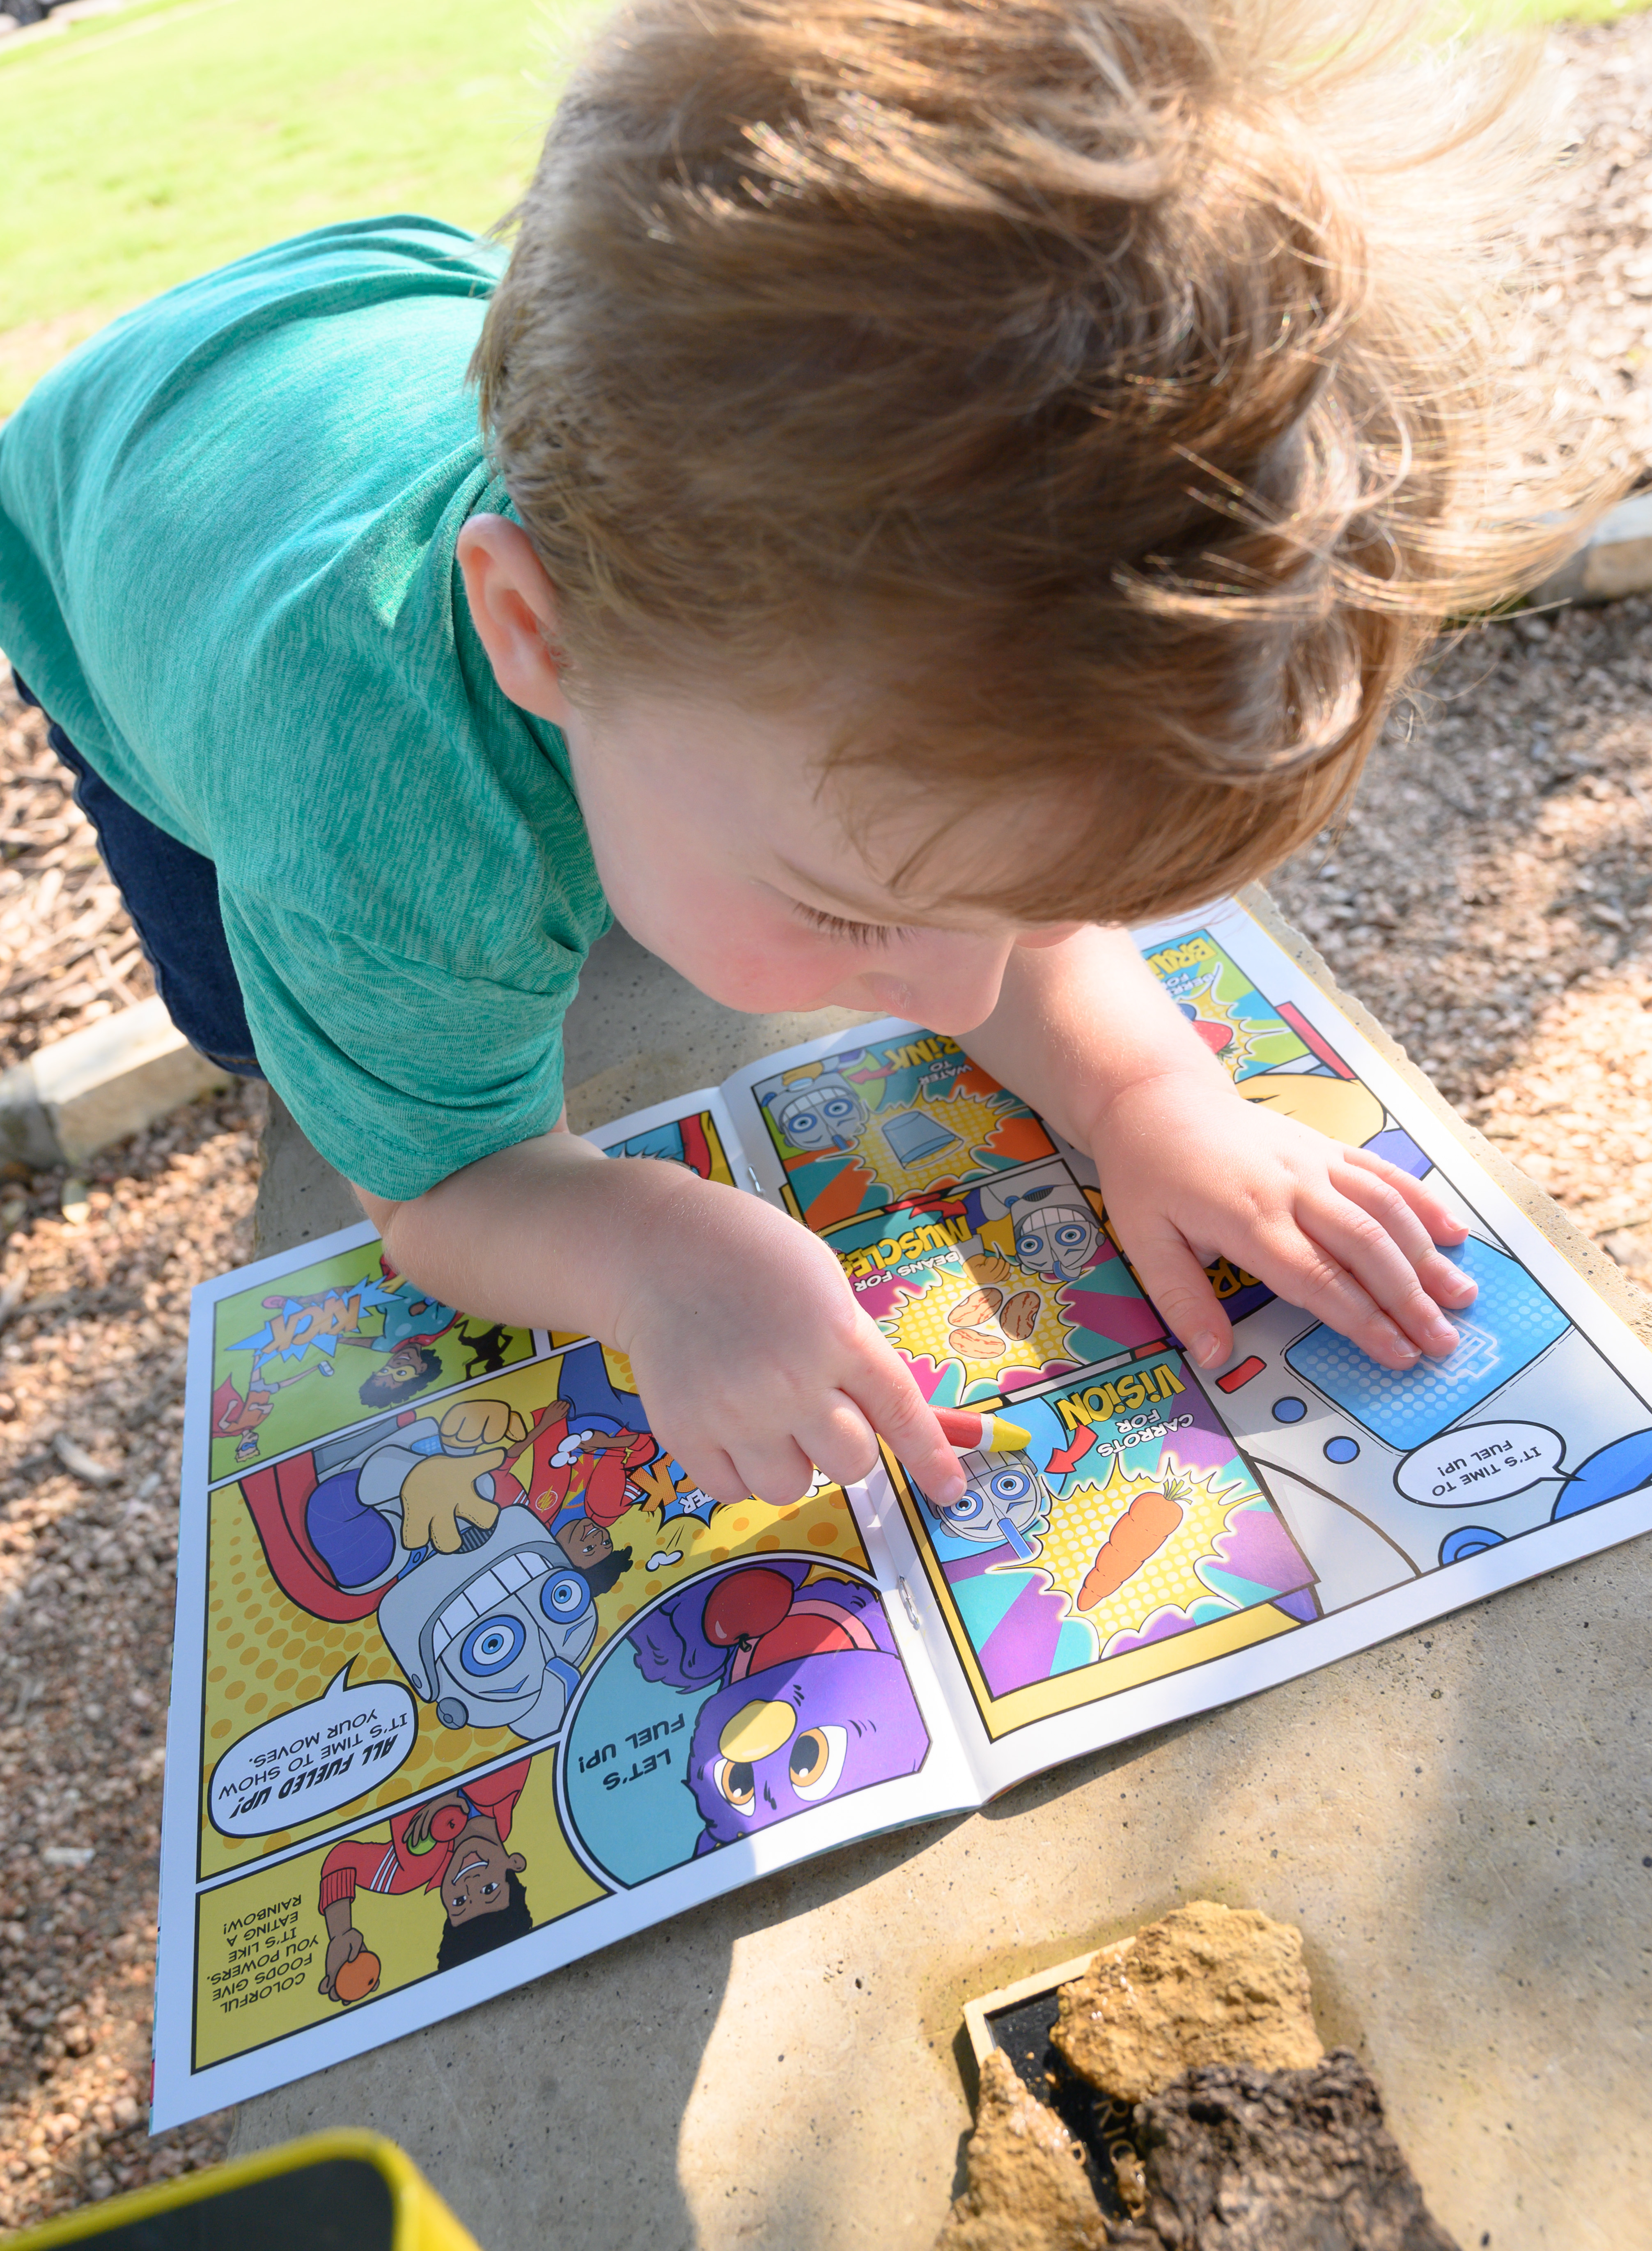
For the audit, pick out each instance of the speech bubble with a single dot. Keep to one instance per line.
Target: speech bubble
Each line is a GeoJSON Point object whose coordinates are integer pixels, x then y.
{"type": "Point", "coordinates": [1487, 1461]}
{"type": "Point", "coordinates": [314, 1759]}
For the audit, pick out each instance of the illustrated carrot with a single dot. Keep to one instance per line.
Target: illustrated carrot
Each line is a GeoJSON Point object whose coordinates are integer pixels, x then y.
{"type": "Point", "coordinates": [1139, 1534]}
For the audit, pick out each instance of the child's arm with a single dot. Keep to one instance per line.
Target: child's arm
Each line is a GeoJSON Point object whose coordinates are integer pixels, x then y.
{"type": "Point", "coordinates": [744, 1337]}
{"type": "Point", "coordinates": [1190, 1170]}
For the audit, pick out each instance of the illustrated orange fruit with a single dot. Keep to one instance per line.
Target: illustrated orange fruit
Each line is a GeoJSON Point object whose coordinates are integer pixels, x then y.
{"type": "Point", "coordinates": [354, 1981]}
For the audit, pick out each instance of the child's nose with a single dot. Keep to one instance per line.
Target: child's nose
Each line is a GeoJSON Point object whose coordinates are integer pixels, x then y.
{"type": "Point", "coordinates": [961, 989]}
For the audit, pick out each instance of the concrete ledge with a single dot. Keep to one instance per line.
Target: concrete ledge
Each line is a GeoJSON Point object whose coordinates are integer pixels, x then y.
{"type": "Point", "coordinates": [85, 1092]}
{"type": "Point", "coordinates": [1614, 560]}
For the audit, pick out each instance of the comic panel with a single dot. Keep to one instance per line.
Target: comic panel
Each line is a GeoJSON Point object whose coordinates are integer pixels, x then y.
{"type": "Point", "coordinates": [331, 1931]}
{"type": "Point", "coordinates": [1225, 1009]}
{"type": "Point", "coordinates": [392, 1608]}
{"type": "Point", "coordinates": [1128, 1539]}
{"type": "Point", "coordinates": [756, 1692]}
{"type": "Point", "coordinates": [1274, 1052]}
{"type": "Point", "coordinates": [867, 1128]}
{"type": "Point", "coordinates": [331, 1345]}
{"type": "Point", "coordinates": [693, 1142]}
{"type": "Point", "coordinates": [1008, 1284]}
{"type": "Point", "coordinates": [1385, 1475]}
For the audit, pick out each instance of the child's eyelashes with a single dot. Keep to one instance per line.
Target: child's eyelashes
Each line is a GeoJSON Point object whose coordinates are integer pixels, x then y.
{"type": "Point", "coordinates": [857, 934]}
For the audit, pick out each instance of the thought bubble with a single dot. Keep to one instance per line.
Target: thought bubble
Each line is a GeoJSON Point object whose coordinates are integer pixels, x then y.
{"type": "Point", "coordinates": [1488, 1461]}
{"type": "Point", "coordinates": [314, 1759]}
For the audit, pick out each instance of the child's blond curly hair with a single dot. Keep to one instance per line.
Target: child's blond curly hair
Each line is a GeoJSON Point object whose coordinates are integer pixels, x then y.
{"type": "Point", "coordinates": [1117, 391]}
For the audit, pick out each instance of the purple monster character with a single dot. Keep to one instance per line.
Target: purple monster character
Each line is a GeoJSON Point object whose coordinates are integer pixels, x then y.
{"type": "Point", "coordinates": [813, 1702]}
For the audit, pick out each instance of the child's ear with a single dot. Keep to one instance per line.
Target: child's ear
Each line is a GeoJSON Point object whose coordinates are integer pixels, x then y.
{"type": "Point", "coordinates": [513, 605]}
{"type": "Point", "coordinates": [516, 1864]}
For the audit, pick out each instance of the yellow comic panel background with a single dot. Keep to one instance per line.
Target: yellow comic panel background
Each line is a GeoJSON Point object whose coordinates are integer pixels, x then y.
{"type": "Point", "coordinates": [282, 1375]}
{"type": "Point", "coordinates": [266, 1656]}
{"type": "Point", "coordinates": [261, 1944]}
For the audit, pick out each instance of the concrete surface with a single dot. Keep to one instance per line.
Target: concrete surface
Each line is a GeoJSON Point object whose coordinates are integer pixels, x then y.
{"type": "Point", "coordinates": [1460, 1822]}
{"type": "Point", "coordinates": [85, 1092]}
{"type": "Point", "coordinates": [1614, 560]}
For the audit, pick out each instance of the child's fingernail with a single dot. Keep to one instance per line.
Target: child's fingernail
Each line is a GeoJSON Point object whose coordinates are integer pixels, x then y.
{"type": "Point", "coordinates": [946, 1490]}
{"type": "Point", "coordinates": [1208, 1351]}
{"type": "Point", "coordinates": [1442, 1337]}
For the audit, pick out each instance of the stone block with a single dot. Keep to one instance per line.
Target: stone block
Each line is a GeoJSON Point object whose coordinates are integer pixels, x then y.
{"type": "Point", "coordinates": [83, 1093]}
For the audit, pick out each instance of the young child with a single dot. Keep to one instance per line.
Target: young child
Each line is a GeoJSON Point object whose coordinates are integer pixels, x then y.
{"type": "Point", "coordinates": [954, 476]}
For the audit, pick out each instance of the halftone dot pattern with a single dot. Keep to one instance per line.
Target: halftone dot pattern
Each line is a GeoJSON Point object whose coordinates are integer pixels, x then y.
{"type": "Point", "coordinates": [971, 1117]}
{"type": "Point", "coordinates": [1082, 1521]}
{"type": "Point", "coordinates": [266, 1656]}
{"type": "Point", "coordinates": [303, 1412]}
{"type": "Point", "coordinates": [918, 1329]}
{"type": "Point", "coordinates": [1509, 1324]}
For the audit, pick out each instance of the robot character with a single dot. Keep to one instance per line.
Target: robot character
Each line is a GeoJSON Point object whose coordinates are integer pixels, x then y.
{"type": "Point", "coordinates": [1005, 1496]}
{"type": "Point", "coordinates": [494, 1635]}
{"type": "Point", "coordinates": [1056, 1240]}
{"type": "Point", "coordinates": [824, 1113]}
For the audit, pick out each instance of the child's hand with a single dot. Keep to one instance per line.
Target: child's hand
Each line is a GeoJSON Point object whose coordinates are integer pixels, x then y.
{"type": "Point", "coordinates": [757, 1365]}
{"type": "Point", "coordinates": [1190, 1172]}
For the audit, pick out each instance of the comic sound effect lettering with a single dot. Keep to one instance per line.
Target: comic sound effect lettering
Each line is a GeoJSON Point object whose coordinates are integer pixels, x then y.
{"type": "Point", "coordinates": [313, 1760]}
{"type": "Point", "coordinates": [1488, 1461]}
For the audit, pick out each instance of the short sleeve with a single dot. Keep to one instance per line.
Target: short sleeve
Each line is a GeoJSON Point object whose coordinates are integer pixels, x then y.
{"type": "Point", "coordinates": [398, 1071]}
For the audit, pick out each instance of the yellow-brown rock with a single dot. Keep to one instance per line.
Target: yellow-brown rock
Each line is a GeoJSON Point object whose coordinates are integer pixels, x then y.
{"type": "Point", "coordinates": [1027, 2189]}
{"type": "Point", "coordinates": [1206, 1984]}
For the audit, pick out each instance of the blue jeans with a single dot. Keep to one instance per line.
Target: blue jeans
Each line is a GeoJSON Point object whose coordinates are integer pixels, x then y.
{"type": "Point", "coordinates": [172, 896]}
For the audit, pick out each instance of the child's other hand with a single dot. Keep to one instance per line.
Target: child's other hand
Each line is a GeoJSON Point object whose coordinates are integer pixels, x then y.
{"type": "Point", "coordinates": [1190, 1171]}
{"type": "Point", "coordinates": [757, 1365]}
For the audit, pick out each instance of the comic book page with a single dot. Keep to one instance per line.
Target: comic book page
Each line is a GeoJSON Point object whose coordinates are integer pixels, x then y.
{"type": "Point", "coordinates": [470, 1679]}
{"type": "Point", "coordinates": [696, 1130]}
{"type": "Point", "coordinates": [1164, 1540]}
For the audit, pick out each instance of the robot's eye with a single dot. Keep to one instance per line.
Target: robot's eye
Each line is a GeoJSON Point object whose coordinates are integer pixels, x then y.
{"type": "Point", "coordinates": [1009, 1485]}
{"type": "Point", "coordinates": [802, 1121]}
{"type": "Point", "coordinates": [815, 1762]}
{"type": "Point", "coordinates": [1070, 1236]}
{"type": "Point", "coordinates": [736, 1783]}
{"type": "Point", "coordinates": [489, 1647]}
{"type": "Point", "coordinates": [565, 1596]}
{"type": "Point", "coordinates": [839, 1106]}
{"type": "Point", "coordinates": [1031, 1246]}
{"type": "Point", "coordinates": [969, 1507]}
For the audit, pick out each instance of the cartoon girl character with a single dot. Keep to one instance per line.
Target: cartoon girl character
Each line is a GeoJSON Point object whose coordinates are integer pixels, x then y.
{"type": "Point", "coordinates": [454, 1843]}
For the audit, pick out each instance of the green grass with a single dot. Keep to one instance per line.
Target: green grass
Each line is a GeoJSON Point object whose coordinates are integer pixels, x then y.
{"type": "Point", "coordinates": [148, 146]}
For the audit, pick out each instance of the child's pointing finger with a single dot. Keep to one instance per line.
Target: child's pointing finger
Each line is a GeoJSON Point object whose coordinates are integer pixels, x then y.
{"type": "Point", "coordinates": [899, 1413]}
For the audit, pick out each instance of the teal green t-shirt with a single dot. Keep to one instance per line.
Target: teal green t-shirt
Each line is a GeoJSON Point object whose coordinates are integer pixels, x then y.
{"type": "Point", "coordinates": [227, 527]}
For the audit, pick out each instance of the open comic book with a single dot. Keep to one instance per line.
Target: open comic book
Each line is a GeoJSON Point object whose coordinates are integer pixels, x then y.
{"type": "Point", "coordinates": [471, 1680]}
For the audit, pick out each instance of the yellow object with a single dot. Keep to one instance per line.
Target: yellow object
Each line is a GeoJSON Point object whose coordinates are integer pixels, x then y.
{"type": "Point", "coordinates": [347, 2185]}
{"type": "Point", "coordinates": [756, 1729]}
{"type": "Point", "coordinates": [1002, 1436]}
{"type": "Point", "coordinates": [1340, 1108]}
